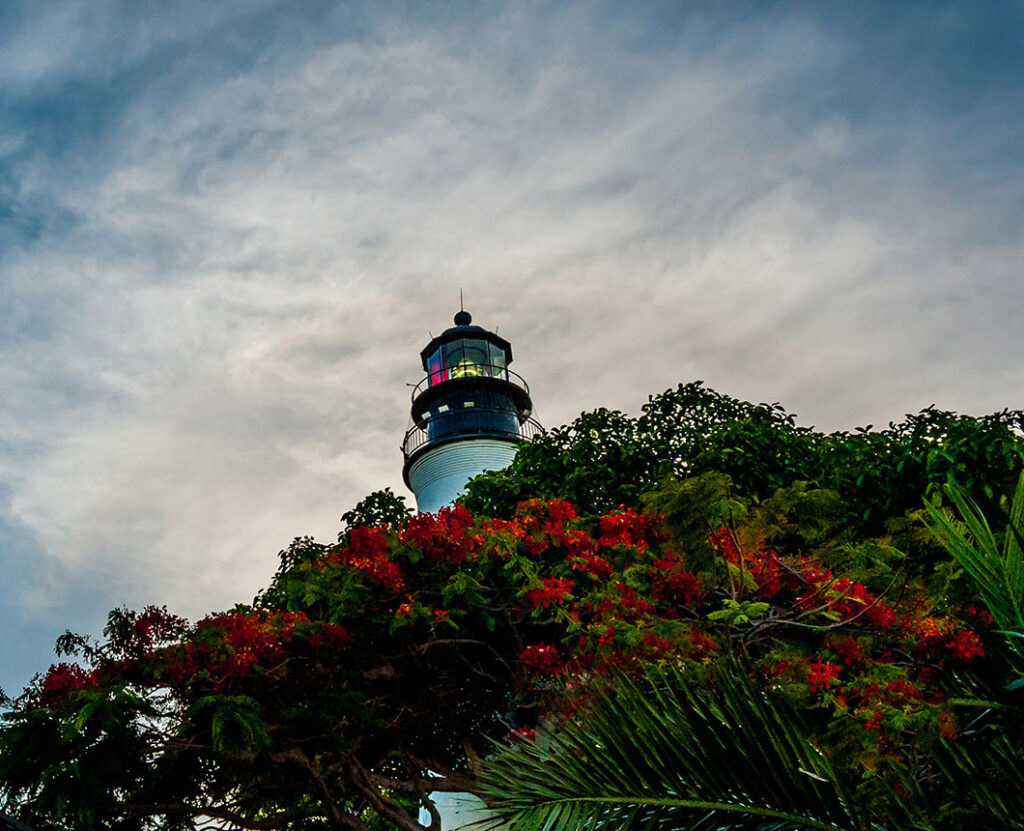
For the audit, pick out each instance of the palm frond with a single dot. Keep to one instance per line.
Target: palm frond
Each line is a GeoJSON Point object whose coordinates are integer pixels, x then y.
{"type": "Point", "coordinates": [998, 573]}
{"type": "Point", "coordinates": [663, 753]}
{"type": "Point", "coordinates": [984, 783]}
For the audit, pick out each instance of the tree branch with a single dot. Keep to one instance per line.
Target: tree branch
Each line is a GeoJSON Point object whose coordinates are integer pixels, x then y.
{"type": "Point", "coordinates": [280, 820]}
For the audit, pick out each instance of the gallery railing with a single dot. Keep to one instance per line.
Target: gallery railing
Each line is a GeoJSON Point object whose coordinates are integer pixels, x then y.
{"type": "Point", "coordinates": [469, 422]}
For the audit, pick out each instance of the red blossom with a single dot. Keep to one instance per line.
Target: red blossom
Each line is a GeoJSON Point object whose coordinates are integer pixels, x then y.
{"type": "Point", "coordinates": [541, 659]}
{"type": "Point", "coordinates": [628, 528]}
{"type": "Point", "coordinates": [330, 637]}
{"type": "Point", "coordinates": [670, 580]}
{"type": "Point", "coordinates": [656, 646]}
{"type": "Point", "coordinates": [763, 564]}
{"type": "Point", "coordinates": [966, 645]}
{"type": "Point", "coordinates": [983, 616]}
{"type": "Point", "coordinates": [702, 644]}
{"type": "Point", "coordinates": [553, 593]}
{"type": "Point", "coordinates": [63, 679]}
{"type": "Point", "coordinates": [233, 645]}
{"type": "Point", "coordinates": [941, 638]}
{"type": "Point", "coordinates": [523, 734]}
{"type": "Point", "coordinates": [821, 675]}
{"type": "Point", "coordinates": [850, 651]}
{"type": "Point", "coordinates": [443, 537]}
{"type": "Point", "coordinates": [368, 552]}
{"type": "Point", "coordinates": [152, 626]}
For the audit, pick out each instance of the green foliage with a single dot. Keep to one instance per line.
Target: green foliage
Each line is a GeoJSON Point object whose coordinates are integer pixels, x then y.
{"type": "Point", "coordinates": [716, 752]}
{"type": "Point", "coordinates": [740, 611]}
{"type": "Point", "coordinates": [997, 570]}
{"type": "Point", "coordinates": [859, 662]}
{"type": "Point", "coordinates": [378, 508]}
{"type": "Point", "coordinates": [661, 753]}
{"type": "Point", "coordinates": [605, 458]}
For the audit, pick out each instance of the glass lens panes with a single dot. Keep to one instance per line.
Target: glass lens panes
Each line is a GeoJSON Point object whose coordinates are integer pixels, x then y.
{"type": "Point", "coordinates": [497, 361]}
{"type": "Point", "coordinates": [437, 368]}
{"type": "Point", "coordinates": [466, 358]}
{"type": "Point", "coordinates": [453, 354]}
{"type": "Point", "coordinates": [472, 359]}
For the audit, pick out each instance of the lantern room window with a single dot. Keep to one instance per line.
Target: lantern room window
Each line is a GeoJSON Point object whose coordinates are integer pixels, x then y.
{"type": "Point", "coordinates": [467, 358]}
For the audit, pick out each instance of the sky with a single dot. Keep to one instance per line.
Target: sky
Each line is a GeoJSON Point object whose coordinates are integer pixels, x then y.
{"type": "Point", "coordinates": [227, 229]}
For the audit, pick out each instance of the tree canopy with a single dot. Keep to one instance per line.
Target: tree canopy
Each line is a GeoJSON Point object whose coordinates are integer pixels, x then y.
{"type": "Point", "coordinates": [605, 458]}
{"type": "Point", "coordinates": [614, 555]}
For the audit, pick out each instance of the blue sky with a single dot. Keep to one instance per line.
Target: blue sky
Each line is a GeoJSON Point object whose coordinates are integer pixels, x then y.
{"type": "Point", "coordinates": [226, 229]}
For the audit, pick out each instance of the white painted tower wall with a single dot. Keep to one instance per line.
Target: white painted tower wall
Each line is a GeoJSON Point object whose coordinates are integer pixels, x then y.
{"type": "Point", "coordinates": [439, 476]}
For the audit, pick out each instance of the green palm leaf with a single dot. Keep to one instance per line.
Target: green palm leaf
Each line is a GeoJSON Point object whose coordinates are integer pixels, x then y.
{"type": "Point", "coordinates": [664, 753]}
{"type": "Point", "coordinates": [997, 572]}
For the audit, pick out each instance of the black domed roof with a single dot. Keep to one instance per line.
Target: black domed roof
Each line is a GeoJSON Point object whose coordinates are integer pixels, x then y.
{"type": "Point", "coordinates": [464, 328]}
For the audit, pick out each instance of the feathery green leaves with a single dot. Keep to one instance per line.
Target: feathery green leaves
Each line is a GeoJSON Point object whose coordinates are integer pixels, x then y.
{"type": "Point", "coordinates": [664, 753]}
{"type": "Point", "coordinates": [998, 571]}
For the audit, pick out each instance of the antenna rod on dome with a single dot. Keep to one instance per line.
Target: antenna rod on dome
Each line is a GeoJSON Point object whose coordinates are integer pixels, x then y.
{"type": "Point", "coordinates": [462, 308]}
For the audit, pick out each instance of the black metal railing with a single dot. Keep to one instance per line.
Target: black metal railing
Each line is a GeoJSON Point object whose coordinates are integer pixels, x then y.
{"type": "Point", "coordinates": [474, 421]}
{"type": "Point", "coordinates": [476, 371]}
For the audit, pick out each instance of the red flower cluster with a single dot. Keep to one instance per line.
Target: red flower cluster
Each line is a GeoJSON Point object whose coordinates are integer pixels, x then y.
{"type": "Point", "coordinates": [983, 616]}
{"type": "Point", "coordinates": [553, 593]}
{"type": "Point", "coordinates": [848, 599]}
{"type": "Point", "coordinates": [821, 674]}
{"type": "Point", "coordinates": [583, 554]}
{"type": "Point", "coordinates": [540, 525]}
{"type": "Point", "coordinates": [896, 694]}
{"type": "Point", "coordinates": [701, 644]}
{"type": "Point", "coordinates": [850, 651]}
{"type": "Point", "coordinates": [369, 553]}
{"type": "Point", "coordinates": [331, 637]}
{"type": "Point", "coordinates": [63, 679]}
{"type": "Point", "coordinates": [671, 581]}
{"type": "Point", "coordinates": [540, 512]}
{"type": "Point", "coordinates": [541, 659]}
{"type": "Point", "coordinates": [943, 638]}
{"type": "Point", "coordinates": [149, 628]}
{"type": "Point", "coordinates": [625, 605]}
{"type": "Point", "coordinates": [443, 537]}
{"type": "Point", "coordinates": [765, 566]}
{"type": "Point", "coordinates": [656, 646]}
{"type": "Point", "coordinates": [233, 645]}
{"type": "Point", "coordinates": [852, 601]}
{"type": "Point", "coordinates": [628, 528]}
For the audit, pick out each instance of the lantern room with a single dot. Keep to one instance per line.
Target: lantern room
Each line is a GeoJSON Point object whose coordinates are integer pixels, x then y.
{"type": "Point", "coordinates": [466, 351]}
{"type": "Point", "coordinates": [468, 404]}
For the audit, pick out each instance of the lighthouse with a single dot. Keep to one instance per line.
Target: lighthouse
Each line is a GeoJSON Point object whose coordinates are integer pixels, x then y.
{"type": "Point", "coordinates": [469, 412]}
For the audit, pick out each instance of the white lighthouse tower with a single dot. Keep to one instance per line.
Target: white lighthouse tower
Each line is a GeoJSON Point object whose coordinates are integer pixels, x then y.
{"type": "Point", "coordinates": [468, 413]}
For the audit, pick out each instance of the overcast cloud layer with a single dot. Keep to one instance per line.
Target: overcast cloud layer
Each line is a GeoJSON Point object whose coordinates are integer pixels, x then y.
{"type": "Point", "coordinates": [225, 230]}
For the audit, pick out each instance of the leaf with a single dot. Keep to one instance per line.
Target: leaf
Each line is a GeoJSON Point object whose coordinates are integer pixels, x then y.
{"type": "Point", "coordinates": [998, 574]}
{"type": "Point", "coordinates": [663, 753]}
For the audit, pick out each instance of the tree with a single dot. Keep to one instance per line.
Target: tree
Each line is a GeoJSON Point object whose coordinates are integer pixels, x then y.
{"type": "Point", "coordinates": [408, 650]}
{"type": "Point", "coordinates": [605, 459]}
{"type": "Point", "coordinates": [665, 752]}
{"type": "Point", "coordinates": [382, 668]}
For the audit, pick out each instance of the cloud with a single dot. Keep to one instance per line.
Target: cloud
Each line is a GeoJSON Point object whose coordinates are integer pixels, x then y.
{"type": "Point", "coordinates": [231, 229]}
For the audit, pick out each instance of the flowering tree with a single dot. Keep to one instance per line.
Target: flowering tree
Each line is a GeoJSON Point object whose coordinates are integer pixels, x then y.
{"type": "Point", "coordinates": [671, 749]}
{"type": "Point", "coordinates": [605, 458]}
{"type": "Point", "coordinates": [374, 672]}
